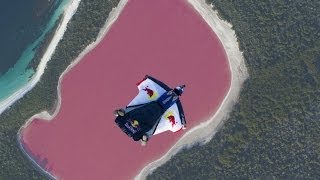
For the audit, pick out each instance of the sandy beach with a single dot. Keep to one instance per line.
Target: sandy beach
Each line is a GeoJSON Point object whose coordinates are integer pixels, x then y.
{"type": "Point", "coordinates": [205, 131]}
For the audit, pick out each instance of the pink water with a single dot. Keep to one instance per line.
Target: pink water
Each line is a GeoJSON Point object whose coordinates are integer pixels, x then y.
{"type": "Point", "coordinates": [163, 38]}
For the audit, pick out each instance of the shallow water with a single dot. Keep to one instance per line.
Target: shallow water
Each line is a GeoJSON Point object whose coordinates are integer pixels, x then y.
{"type": "Point", "coordinates": [24, 25]}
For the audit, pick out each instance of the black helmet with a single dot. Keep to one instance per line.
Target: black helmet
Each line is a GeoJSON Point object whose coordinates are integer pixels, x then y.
{"type": "Point", "coordinates": [179, 90]}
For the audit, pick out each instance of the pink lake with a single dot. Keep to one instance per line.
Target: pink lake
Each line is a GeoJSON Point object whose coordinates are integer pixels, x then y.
{"type": "Point", "coordinates": [166, 39]}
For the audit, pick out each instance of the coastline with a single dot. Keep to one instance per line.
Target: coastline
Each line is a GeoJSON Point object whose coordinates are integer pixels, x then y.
{"type": "Point", "coordinates": [204, 132]}
{"type": "Point", "coordinates": [69, 10]}
{"type": "Point", "coordinates": [43, 46]}
{"type": "Point", "coordinates": [32, 160]}
{"type": "Point", "coordinates": [45, 115]}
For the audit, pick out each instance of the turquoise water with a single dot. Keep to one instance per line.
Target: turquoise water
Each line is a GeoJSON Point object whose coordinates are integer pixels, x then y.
{"type": "Point", "coordinates": [19, 75]}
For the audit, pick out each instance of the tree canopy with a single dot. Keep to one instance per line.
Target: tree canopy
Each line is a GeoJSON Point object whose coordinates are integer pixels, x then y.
{"type": "Point", "coordinates": [274, 129]}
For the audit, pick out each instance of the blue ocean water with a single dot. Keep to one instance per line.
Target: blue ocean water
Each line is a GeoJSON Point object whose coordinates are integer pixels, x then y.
{"type": "Point", "coordinates": [20, 40]}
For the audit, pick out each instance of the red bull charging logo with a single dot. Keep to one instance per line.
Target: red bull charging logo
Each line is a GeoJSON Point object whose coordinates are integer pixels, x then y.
{"type": "Point", "coordinates": [151, 94]}
{"type": "Point", "coordinates": [171, 118]}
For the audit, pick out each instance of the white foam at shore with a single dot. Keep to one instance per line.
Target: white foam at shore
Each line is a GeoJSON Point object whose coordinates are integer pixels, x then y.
{"type": "Point", "coordinates": [70, 9]}
{"type": "Point", "coordinates": [204, 132]}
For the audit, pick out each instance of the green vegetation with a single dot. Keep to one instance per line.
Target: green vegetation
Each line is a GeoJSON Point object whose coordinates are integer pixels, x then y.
{"type": "Point", "coordinates": [82, 30]}
{"type": "Point", "coordinates": [274, 129]}
{"type": "Point", "coordinates": [43, 45]}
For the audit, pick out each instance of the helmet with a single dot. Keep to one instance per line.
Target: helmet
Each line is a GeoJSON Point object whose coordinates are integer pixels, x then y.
{"type": "Point", "coordinates": [179, 90]}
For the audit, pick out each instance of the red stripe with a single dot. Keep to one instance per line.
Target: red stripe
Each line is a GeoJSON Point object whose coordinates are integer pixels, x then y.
{"type": "Point", "coordinates": [138, 83]}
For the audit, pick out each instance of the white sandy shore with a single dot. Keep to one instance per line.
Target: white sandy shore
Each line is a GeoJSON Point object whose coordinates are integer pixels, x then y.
{"type": "Point", "coordinates": [45, 115]}
{"type": "Point", "coordinates": [204, 132]}
{"type": "Point", "coordinates": [70, 9]}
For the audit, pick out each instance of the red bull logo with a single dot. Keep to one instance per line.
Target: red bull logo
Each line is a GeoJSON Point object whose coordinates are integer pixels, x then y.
{"type": "Point", "coordinates": [151, 94]}
{"type": "Point", "coordinates": [171, 118]}
{"type": "Point", "coordinates": [132, 125]}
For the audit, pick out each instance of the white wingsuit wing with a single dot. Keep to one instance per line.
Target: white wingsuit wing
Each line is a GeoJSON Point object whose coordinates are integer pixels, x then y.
{"type": "Point", "coordinates": [150, 89]}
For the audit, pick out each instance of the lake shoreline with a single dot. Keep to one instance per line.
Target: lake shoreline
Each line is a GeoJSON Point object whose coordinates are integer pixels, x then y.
{"type": "Point", "coordinates": [204, 132]}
